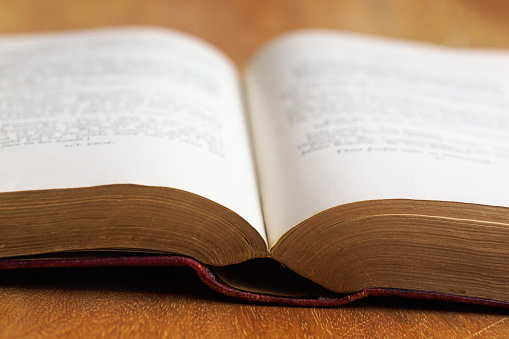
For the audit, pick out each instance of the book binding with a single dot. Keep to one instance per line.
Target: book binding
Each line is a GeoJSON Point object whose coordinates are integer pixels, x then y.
{"type": "Point", "coordinates": [216, 284]}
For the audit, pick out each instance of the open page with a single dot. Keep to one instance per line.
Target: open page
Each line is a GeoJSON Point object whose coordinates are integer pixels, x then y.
{"type": "Point", "coordinates": [341, 118]}
{"type": "Point", "coordinates": [139, 106]}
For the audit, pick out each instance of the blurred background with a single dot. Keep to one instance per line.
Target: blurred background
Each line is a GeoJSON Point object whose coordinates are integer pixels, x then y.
{"type": "Point", "coordinates": [240, 27]}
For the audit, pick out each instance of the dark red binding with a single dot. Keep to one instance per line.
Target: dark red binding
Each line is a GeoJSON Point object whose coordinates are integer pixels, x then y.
{"type": "Point", "coordinates": [217, 285]}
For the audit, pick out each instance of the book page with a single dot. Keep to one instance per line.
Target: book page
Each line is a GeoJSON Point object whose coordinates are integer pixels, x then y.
{"type": "Point", "coordinates": [135, 105]}
{"type": "Point", "coordinates": [342, 118]}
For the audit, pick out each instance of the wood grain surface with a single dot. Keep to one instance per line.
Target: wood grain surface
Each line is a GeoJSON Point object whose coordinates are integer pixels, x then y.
{"type": "Point", "coordinates": [155, 302]}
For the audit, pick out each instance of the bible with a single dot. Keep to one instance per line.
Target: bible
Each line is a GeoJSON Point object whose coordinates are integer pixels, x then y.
{"type": "Point", "coordinates": [366, 166]}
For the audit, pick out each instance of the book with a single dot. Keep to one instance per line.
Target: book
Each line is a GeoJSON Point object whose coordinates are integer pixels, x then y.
{"type": "Point", "coordinates": [366, 166]}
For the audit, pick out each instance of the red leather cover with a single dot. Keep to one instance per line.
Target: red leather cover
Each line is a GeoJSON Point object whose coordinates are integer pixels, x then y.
{"type": "Point", "coordinates": [211, 280]}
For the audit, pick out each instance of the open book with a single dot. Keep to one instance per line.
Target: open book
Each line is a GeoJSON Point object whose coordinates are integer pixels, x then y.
{"type": "Point", "coordinates": [358, 163]}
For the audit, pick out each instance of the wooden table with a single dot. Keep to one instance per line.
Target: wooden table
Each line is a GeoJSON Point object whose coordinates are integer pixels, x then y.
{"type": "Point", "coordinates": [156, 302]}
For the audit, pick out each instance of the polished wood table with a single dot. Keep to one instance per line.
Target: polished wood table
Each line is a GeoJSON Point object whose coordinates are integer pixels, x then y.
{"type": "Point", "coordinates": [158, 302]}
